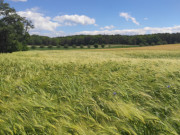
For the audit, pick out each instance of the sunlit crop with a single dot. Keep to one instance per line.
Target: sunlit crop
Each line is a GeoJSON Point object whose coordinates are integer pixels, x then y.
{"type": "Point", "coordinates": [86, 92]}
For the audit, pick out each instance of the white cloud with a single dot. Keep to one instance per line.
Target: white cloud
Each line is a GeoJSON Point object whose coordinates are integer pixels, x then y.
{"type": "Point", "coordinates": [71, 20]}
{"type": "Point", "coordinates": [127, 17]}
{"type": "Point", "coordinates": [47, 26]}
{"type": "Point", "coordinates": [19, 0]}
{"type": "Point", "coordinates": [146, 18]}
{"type": "Point", "coordinates": [112, 32]}
{"type": "Point", "coordinates": [174, 29]}
{"type": "Point", "coordinates": [146, 30]}
{"type": "Point", "coordinates": [49, 34]}
{"type": "Point", "coordinates": [107, 27]}
{"type": "Point", "coordinates": [40, 21]}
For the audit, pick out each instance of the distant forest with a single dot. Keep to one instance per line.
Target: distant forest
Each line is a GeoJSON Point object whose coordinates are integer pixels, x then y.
{"type": "Point", "coordinates": [78, 40]}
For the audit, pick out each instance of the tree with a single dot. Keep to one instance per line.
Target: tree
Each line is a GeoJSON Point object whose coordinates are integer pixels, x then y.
{"type": "Point", "coordinates": [38, 41]}
{"type": "Point", "coordinates": [13, 29]}
{"type": "Point", "coordinates": [54, 42]}
{"type": "Point", "coordinates": [106, 40]}
{"type": "Point", "coordinates": [46, 41]}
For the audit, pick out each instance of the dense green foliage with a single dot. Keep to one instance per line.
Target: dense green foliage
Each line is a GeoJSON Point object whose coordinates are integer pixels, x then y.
{"type": "Point", "coordinates": [122, 92]}
{"type": "Point", "coordinates": [141, 40]}
{"type": "Point", "coordinates": [13, 29]}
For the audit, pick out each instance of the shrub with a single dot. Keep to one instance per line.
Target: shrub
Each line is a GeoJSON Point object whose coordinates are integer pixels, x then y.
{"type": "Point", "coordinates": [25, 48]}
{"type": "Point", "coordinates": [146, 44]}
{"type": "Point", "coordinates": [50, 46]}
{"type": "Point", "coordinates": [58, 46]}
{"type": "Point", "coordinates": [141, 44]}
{"type": "Point", "coordinates": [96, 46]}
{"type": "Point", "coordinates": [102, 45]}
{"type": "Point", "coordinates": [66, 46]}
{"type": "Point", "coordinates": [152, 43]}
{"type": "Point", "coordinates": [81, 46]}
{"type": "Point", "coordinates": [17, 46]}
{"type": "Point", "coordinates": [33, 47]}
{"type": "Point", "coordinates": [159, 43]}
{"type": "Point", "coordinates": [164, 43]}
{"type": "Point", "coordinates": [74, 46]}
{"type": "Point", "coordinates": [89, 46]}
{"type": "Point", "coordinates": [42, 46]}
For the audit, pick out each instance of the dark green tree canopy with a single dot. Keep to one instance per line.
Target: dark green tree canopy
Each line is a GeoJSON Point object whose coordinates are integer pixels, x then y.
{"type": "Point", "coordinates": [86, 40]}
{"type": "Point", "coordinates": [13, 29]}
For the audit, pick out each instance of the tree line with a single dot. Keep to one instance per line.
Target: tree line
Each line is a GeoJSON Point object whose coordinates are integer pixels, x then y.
{"type": "Point", "coordinates": [78, 40]}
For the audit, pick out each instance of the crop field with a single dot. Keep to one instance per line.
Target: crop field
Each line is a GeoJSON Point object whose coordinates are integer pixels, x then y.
{"type": "Point", "coordinates": [129, 91]}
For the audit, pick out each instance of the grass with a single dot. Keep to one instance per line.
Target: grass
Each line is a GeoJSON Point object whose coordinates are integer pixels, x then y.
{"type": "Point", "coordinates": [86, 92]}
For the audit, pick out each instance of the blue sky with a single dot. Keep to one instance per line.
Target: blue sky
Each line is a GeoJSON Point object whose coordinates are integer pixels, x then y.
{"type": "Point", "coordinates": [129, 17]}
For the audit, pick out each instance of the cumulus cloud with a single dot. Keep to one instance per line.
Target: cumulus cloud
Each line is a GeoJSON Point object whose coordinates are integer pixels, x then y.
{"type": "Point", "coordinates": [47, 26]}
{"type": "Point", "coordinates": [145, 30]}
{"type": "Point", "coordinates": [40, 21]}
{"type": "Point", "coordinates": [72, 20]}
{"type": "Point", "coordinates": [129, 17]}
{"type": "Point", "coordinates": [19, 0]}
{"type": "Point", "coordinates": [107, 27]}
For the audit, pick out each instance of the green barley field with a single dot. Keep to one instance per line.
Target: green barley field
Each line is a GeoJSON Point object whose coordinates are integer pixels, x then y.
{"type": "Point", "coordinates": [133, 91]}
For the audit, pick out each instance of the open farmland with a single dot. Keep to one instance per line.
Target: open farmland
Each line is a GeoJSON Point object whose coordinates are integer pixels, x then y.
{"type": "Point", "coordinates": [133, 91]}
